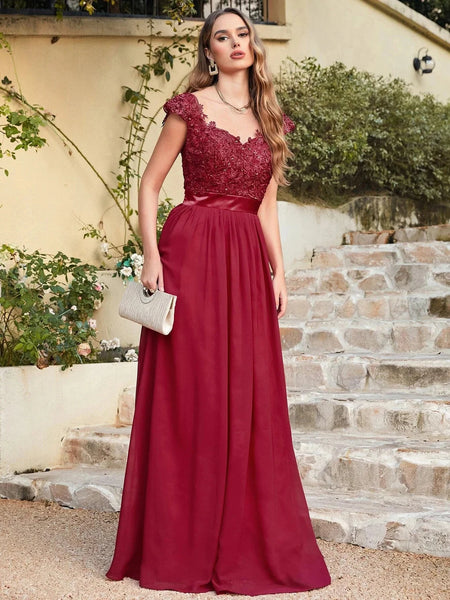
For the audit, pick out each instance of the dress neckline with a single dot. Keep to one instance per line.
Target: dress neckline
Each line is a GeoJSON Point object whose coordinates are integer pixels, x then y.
{"type": "Point", "coordinates": [213, 124]}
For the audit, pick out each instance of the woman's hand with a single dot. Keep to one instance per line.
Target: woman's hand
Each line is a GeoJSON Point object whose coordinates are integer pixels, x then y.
{"type": "Point", "coordinates": [152, 273]}
{"type": "Point", "coordinates": [280, 290]}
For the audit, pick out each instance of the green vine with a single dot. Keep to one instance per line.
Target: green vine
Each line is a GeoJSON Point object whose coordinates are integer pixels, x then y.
{"type": "Point", "coordinates": [23, 126]}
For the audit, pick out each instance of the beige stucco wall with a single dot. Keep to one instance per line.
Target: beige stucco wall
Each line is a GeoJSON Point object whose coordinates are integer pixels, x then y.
{"type": "Point", "coordinates": [38, 407]}
{"type": "Point", "coordinates": [50, 194]}
{"type": "Point", "coordinates": [381, 36]}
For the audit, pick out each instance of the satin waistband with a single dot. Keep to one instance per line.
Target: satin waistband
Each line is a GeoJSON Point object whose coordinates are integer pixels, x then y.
{"type": "Point", "coordinates": [228, 202]}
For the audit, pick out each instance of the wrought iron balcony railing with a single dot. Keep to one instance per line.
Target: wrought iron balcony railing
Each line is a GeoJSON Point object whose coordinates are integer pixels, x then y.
{"type": "Point", "coordinates": [256, 9]}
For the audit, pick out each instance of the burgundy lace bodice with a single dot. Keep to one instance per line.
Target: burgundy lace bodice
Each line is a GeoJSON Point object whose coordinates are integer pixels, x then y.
{"type": "Point", "coordinates": [216, 161]}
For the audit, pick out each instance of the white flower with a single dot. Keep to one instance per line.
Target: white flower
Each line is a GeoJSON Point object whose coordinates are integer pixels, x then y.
{"type": "Point", "coordinates": [138, 271]}
{"type": "Point", "coordinates": [51, 311]}
{"type": "Point", "coordinates": [97, 303]}
{"type": "Point", "coordinates": [74, 308]}
{"type": "Point", "coordinates": [137, 260]}
{"type": "Point", "coordinates": [104, 247]}
{"type": "Point", "coordinates": [126, 271]}
{"type": "Point", "coordinates": [92, 323]}
{"type": "Point", "coordinates": [117, 359]}
{"type": "Point", "coordinates": [110, 344]}
{"type": "Point", "coordinates": [131, 355]}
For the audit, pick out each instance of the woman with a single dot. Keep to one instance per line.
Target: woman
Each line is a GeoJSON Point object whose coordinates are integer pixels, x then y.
{"type": "Point", "coordinates": [212, 496]}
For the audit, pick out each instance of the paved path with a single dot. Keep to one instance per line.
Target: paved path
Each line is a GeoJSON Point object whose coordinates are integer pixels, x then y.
{"type": "Point", "coordinates": [52, 553]}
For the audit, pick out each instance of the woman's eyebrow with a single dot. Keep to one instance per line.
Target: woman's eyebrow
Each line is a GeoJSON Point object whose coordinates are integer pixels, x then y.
{"type": "Point", "coordinates": [226, 30]}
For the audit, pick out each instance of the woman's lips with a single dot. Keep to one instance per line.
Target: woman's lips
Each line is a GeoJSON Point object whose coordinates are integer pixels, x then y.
{"type": "Point", "coordinates": [238, 55]}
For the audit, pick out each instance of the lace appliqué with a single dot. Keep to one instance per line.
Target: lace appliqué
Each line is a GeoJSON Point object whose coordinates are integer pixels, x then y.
{"type": "Point", "coordinates": [214, 160]}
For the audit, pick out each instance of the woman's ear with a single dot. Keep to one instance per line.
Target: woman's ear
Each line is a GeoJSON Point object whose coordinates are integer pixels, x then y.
{"type": "Point", "coordinates": [208, 53]}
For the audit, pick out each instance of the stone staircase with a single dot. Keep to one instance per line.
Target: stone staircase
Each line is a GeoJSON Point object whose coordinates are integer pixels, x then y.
{"type": "Point", "coordinates": [366, 344]}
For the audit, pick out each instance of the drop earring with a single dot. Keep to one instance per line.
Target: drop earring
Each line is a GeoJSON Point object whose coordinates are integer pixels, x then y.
{"type": "Point", "coordinates": [212, 68]}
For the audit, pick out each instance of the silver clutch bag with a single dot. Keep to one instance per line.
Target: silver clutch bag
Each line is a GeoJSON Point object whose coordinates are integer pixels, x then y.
{"type": "Point", "coordinates": [154, 310]}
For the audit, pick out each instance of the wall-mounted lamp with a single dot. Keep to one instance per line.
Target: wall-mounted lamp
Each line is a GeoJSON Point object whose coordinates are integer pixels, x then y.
{"type": "Point", "coordinates": [423, 63]}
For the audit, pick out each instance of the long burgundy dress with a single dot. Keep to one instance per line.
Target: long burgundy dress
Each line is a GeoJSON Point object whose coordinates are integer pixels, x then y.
{"type": "Point", "coordinates": [212, 496]}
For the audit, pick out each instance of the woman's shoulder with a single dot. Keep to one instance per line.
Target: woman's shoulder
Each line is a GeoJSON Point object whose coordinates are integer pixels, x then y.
{"type": "Point", "coordinates": [185, 105]}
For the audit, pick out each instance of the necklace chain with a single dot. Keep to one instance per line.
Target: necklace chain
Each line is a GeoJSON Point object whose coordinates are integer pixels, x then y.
{"type": "Point", "coordinates": [242, 109]}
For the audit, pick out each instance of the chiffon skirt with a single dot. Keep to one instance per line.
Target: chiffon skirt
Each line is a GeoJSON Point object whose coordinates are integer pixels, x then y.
{"type": "Point", "coordinates": [212, 496]}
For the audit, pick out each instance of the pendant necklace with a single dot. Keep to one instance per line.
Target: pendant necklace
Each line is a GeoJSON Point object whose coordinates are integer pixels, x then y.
{"type": "Point", "coordinates": [241, 110]}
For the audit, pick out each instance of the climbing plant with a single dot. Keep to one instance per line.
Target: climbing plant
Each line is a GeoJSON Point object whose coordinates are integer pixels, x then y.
{"type": "Point", "coordinates": [19, 128]}
{"type": "Point", "coordinates": [23, 125]}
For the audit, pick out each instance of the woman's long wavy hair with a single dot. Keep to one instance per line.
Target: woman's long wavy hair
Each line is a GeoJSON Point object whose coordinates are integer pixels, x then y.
{"type": "Point", "coordinates": [262, 93]}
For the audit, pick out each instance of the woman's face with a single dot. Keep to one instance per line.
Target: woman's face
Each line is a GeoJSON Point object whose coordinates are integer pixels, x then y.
{"type": "Point", "coordinates": [229, 44]}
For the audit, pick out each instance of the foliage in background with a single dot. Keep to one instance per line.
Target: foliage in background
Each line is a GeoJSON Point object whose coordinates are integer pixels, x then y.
{"type": "Point", "coordinates": [356, 132]}
{"type": "Point", "coordinates": [46, 308]}
{"type": "Point", "coordinates": [435, 10]}
{"type": "Point", "coordinates": [21, 128]}
{"type": "Point", "coordinates": [157, 69]}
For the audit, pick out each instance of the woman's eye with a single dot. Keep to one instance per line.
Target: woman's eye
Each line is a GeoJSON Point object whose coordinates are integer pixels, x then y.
{"type": "Point", "coordinates": [245, 34]}
{"type": "Point", "coordinates": [223, 37]}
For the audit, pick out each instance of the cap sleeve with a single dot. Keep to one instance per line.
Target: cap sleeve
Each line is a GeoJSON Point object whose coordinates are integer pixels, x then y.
{"type": "Point", "coordinates": [179, 105]}
{"type": "Point", "coordinates": [288, 124]}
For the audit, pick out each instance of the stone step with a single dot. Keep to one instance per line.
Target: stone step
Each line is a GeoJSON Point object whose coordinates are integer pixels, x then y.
{"type": "Point", "coordinates": [385, 255]}
{"type": "Point", "coordinates": [389, 305]}
{"type": "Point", "coordinates": [336, 460]}
{"type": "Point", "coordinates": [355, 335]}
{"type": "Point", "coordinates": [105, 446]}
{"type": "Point", "coordinates": [372, 520]}
{"type": "Point", "coordinates": [382, 521]}
{"type": "Point", "coordinates": [397, 464]}
{"type": "Point", "coordinates": [89, 487]}
{"type": "Point", "coordinates": [368, 372]}
{"type": "Point", "coordinates": [410, 414]}
{"type": "Point", "coordinates": [418, 278]}
{"type": "Point", "coordinates": [427, 233]}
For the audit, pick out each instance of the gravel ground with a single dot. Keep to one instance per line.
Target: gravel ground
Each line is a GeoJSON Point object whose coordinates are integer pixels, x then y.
{"type": "Point", "coordinates": [52, 553]}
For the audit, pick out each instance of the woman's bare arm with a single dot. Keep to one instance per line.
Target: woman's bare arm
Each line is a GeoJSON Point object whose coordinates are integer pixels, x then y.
{"type": "Point", "coordinates": [268, 216]}
{"type": "Point", "coordinates": [166, 150]}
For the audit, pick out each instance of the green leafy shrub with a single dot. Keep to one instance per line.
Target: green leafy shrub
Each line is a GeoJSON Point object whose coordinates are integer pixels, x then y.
{"type": "Point", "coordinates": [46, 308]}
{"type": "Point", "coordinates": [358, 133]}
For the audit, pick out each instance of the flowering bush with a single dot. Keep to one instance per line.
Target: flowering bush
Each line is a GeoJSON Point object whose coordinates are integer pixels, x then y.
{"type": "Point", "coordinates": [130, 266]}
{"type": "Point", "coordinates": [46, 308]}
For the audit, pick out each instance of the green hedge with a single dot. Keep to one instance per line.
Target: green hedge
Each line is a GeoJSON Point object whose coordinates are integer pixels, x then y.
{"type": "Point", "coordinates": [359, 133]}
